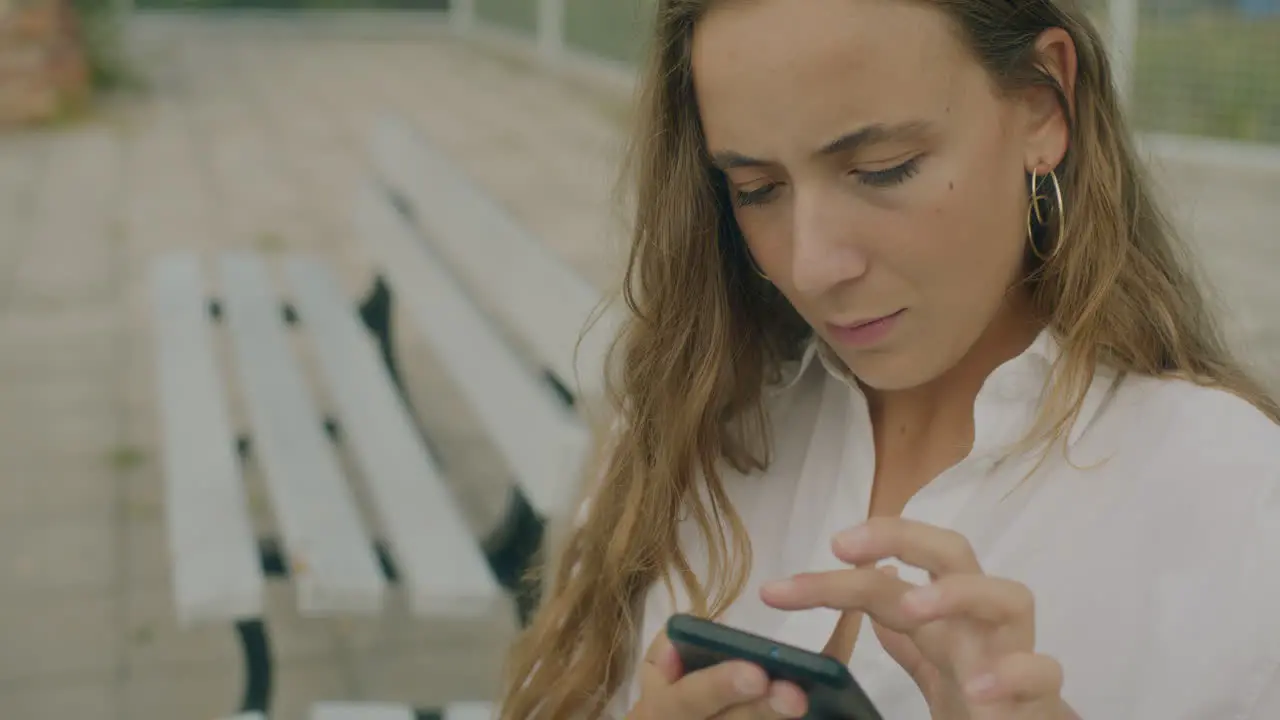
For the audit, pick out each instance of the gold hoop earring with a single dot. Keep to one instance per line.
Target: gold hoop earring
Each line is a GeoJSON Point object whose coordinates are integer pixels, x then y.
{"type": "Point", "coordinates": [1035, 210]}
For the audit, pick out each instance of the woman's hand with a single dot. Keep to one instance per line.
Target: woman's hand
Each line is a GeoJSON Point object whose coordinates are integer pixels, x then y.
{"type": "Point", "coordinates": [728, 691]}
{"type": "Point", "coordinates": [967, 639]}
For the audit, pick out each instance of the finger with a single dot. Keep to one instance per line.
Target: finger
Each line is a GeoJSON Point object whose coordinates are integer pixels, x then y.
{"type": "Point", "coordinates": [904, 651]}
{"type": "Point", "coordinates": [661, 667]}
{"type": "Point", "coordinates": [787, 700]}
{"type": "Point", "coordinates": [669, 665]}
{"type": "Point", "coordinates": [653, 680]}
{"type": "Point", "coordinates": [980, 597]}
{"type": "Point", "coordinates": [784, 701]}
{"type": "Point", "coordinates": [711, 691]}
{"type": "Point", "coordinates": [1020, 677]}
{"type": "Point", "coordinates": [869, 590]}
{"type": "Point", "coordinates": [937, 550]}
{"type": "Point", "coordinates": [664, 657]}
{"type": "Point", "coordinates": [661, 643]}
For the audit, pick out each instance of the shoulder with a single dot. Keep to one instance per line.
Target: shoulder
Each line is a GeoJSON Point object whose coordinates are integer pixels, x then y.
{"type": "Point", "coordinates": [1198, 470]}
{"type": "Point", "coordinates": [1177, 421]}
{"type": "Point", "coordinates": [1194, 474]}
{"type": "Point", "coordinates": [1203, 455]}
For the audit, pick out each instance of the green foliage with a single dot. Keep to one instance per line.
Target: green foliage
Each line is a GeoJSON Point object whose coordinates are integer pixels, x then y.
{"type": "Point", "coordinates": [521, 15]}
{"type": "Point", "coordinates": [1210, 74]}
{"type": "Point", "coordinates": [617, 30]}
{"type": "Point", "coordinates": [104, 46]}
{"type": "Point", "coordinates": [294, 4]}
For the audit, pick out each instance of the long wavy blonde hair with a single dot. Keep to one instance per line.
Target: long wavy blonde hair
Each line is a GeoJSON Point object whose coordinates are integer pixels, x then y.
{"type": "Point", "coordinates": [705, 336]}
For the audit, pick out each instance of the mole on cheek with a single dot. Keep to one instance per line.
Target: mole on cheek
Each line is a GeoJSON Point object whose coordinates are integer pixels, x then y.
{"type": "Point", "coordinates": [951, 185]}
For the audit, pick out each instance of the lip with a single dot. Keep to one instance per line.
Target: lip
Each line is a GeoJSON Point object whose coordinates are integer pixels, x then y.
{"type": "Point", "coordinates": [867, 332]}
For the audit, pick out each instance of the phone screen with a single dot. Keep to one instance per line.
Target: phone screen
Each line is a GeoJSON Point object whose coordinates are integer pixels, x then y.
{"type": "Point", "coordinates": [833, 693]}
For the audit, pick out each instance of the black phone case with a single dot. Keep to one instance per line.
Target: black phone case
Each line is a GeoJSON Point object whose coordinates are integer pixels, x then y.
{"type": "Point", "coordinates": [832, 691]}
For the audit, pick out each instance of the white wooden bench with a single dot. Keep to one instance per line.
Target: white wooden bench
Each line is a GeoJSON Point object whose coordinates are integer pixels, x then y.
{"type": "Point", "coordinates": [437, 242]}
{"type": "Point", "coordinates": [440, 241]}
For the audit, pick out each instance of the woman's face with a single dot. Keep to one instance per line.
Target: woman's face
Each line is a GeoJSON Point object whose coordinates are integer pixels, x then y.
{"type": "Point", "coordinates": [877, 173]}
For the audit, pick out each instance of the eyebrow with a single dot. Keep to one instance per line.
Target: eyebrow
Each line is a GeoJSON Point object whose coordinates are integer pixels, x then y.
{"type": "Point", "coordinates": [862, 137]}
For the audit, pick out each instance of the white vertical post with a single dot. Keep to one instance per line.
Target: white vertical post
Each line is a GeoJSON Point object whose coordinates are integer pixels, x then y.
{"type": "Point", "coordinates": [462, 15]}
{"type": "Point", "coordinates": [1124, 18]}
{"type": "Point", "coordinates": [551, 29]}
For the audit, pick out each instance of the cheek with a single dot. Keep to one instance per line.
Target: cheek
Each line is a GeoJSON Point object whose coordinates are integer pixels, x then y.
{"type": "Point", "coordinates": [974, 239]}
{"type": "Point", "coordinates": [768, 237]}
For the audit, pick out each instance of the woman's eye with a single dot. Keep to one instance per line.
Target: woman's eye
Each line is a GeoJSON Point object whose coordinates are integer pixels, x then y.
{"type": "Point", "coordinates": [755, 196]}
{"type": "Point", "coordinates": [889, 176]}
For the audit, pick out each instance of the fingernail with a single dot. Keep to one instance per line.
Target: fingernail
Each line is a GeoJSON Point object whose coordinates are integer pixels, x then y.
{"type": "Point", "coordinates": [854, 539]}
{"type": "Point", "coordinates": [750, 682]}
{"type": "Point", "coordinates": [981, 686]}
{"type": "Point", "coordinates": [923, 599]}
{"type": "Point", "coordinates": [780, 587]}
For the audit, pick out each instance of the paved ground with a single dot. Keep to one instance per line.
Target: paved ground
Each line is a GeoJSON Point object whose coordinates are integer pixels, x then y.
{"type": "Point", "coordinates": [254, 140]}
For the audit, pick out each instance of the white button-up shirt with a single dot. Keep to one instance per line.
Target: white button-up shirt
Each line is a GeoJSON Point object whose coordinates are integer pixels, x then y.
{"type": "Point", "coordinates": [1154, 554]}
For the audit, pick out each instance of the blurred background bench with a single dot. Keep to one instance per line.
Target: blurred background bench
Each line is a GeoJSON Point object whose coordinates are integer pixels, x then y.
{"type": "Point", "coordinates": [341, 536]}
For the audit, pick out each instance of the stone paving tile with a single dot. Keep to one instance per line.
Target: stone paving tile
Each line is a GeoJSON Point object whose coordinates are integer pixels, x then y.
{"type": "Point", "coordinates": [42, 483]}
{"type": "Point", "coordinates": [71, 256]}
{"type": "Point", "coordinates": [61, 697]}
{"type": "Point", "coordinates": [156, 642]}
{"type": "Point", "coordinates": [58, 634]}
{"type": "Point", "coordinates": [208, 692]}
{"type": "Point", "coordinates": [417, 678]}
{"type": "Point", "coordinates": [59, 553]}
{"type": "Point", "coordinates": [22, 164]}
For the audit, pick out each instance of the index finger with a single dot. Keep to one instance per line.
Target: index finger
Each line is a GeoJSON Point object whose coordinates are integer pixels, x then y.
{"type": "Point", "coordinates": [929, 547]}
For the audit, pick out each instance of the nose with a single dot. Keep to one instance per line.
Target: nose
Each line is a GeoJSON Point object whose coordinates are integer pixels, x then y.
{"type": "Point", "coordinates": [826, 251]}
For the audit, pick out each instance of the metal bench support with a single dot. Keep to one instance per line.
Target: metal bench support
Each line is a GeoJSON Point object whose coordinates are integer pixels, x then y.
{"type": "Point", "coordinates": [513, 548]}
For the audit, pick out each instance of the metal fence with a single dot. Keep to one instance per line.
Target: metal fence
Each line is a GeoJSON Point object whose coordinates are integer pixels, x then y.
{"type": "Point", "coordinates": [1207, 68]}
{"type": "Point", "coordinates": [1196, 68]}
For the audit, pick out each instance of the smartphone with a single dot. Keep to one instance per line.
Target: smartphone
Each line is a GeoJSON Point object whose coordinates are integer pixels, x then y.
{"type": "Point", "coordinates": [833, 693]}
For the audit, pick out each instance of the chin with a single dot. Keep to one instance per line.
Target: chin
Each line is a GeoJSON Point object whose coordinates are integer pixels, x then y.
{"type": "Point", "coordinates": [891, 379]}
{"type": "Point", "coordinates": [890, 371]}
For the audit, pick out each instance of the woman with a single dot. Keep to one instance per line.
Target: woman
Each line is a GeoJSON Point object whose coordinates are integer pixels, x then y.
{"type": "Point", "coordinates": [916, 376]}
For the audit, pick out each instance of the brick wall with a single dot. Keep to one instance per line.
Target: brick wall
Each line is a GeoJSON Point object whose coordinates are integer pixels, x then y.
{"type": "Point", "coordinates": [42, 66]}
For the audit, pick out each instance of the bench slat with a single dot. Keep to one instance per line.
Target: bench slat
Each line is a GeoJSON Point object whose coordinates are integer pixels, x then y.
{"type": "Point", "coordinates": [540, 440]}
{"type": "Point", "coordinates": [330, 555]}
{"type": "Point", "coordinates": [217, 574]}
{"type": "Point", "coordinates": [538, 293]}
{"type": "Point", "coordinates": [436, 551]}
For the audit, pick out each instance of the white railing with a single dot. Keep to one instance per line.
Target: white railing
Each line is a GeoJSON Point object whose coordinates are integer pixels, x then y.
{"type": "Point", "coordinates": [1122, 21]}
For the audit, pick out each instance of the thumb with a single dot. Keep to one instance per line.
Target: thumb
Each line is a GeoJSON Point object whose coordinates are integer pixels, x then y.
{"type": "Point", "coordinates": [664, 658]}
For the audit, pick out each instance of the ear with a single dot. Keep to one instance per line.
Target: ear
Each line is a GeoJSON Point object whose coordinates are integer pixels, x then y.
{"type": "Point", "coordinates": [1048, 129]}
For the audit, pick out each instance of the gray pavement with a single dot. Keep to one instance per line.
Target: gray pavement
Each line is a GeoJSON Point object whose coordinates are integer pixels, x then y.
{"type": "Point", "coordinates": [255, 140]}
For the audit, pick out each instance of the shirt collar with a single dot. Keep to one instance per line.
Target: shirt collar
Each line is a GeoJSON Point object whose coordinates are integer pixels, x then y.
{"type": "Point", "coordinates": [1009, 400]}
